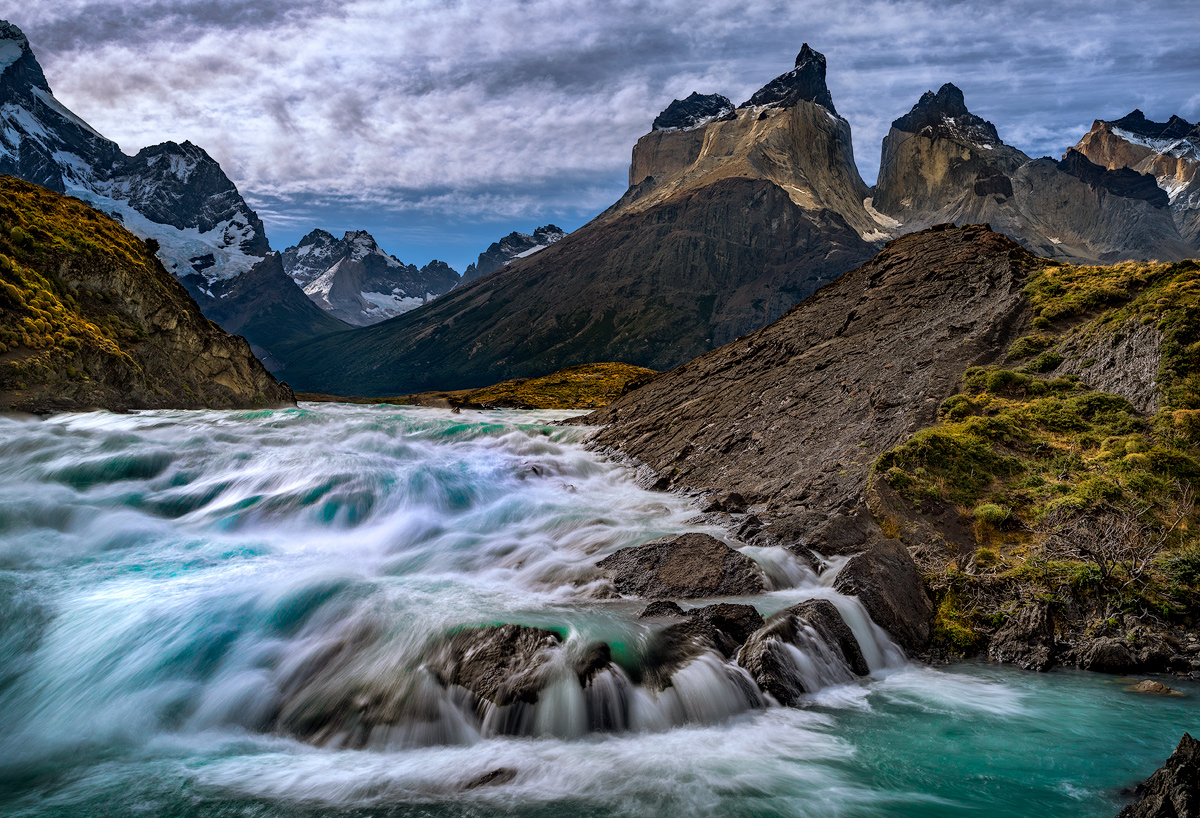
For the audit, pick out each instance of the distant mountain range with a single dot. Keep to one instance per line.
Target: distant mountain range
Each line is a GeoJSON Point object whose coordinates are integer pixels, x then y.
{"type": "Point", "coordinates": [733, 215]}
{"type": "Point", "coordinates": [353, 279]}
{"type": "Point", "coordinates": [736, 213]}
{"type": "Point", "coordinates": [511, 247]}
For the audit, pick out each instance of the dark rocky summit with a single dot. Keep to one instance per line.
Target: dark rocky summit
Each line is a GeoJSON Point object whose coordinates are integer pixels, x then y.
{"type": "Point", "coordinates": [686, 567]}
{"type": "Point", "coordinates": [1174, 790]}
{"type": "Point", "coordinates": [90, 319]}
{"type": "Point", "coordinates": [692, 112]}
{"type": "Point", "coordinates": [513, 246]}
{"type": "Point", "coordinates": [945, 114]}
{"type": "Point", "coordinates": [805, 82]}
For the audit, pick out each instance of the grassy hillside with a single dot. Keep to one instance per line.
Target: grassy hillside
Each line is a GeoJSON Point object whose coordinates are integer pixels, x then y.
{"type": "Point", "coordinates": [1034, 487]}
{"type": "Point", "coordinates": [89, 318]}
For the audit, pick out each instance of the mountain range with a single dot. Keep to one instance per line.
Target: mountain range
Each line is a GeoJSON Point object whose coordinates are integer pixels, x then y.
{"type": "Point", "coordinates": [353, 279]}
{"type": "Point", "coordinates": [735, 213]}
{"type": "Point", "coordinates": [513, 246]}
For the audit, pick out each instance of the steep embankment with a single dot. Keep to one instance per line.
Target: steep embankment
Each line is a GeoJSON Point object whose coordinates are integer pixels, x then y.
{"type": "Point", "coordinates": [1054, 521]}
{"type": "Point", "coordinates": [653, 289]}
{"type": "Point", "coordinates": [1002, 492]}
{"type": "Point", "coordinates": [89, 318]}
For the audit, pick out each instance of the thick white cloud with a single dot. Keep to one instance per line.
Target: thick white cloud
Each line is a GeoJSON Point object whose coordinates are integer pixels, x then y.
{"type": "Point", "coordinates": [508, 107]}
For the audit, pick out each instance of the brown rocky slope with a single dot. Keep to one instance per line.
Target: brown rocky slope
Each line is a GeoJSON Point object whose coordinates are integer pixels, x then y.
{"type": "Point", "coordinates": [89, 318]}
{"type": "Point", "coordinates": [841, 429]}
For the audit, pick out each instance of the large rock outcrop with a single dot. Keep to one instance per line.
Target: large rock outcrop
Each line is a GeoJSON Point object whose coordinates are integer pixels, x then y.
{"type": "Point", "coordinates": [89, 318]}
{"type": "Point", "coordinates": [1174, 790]}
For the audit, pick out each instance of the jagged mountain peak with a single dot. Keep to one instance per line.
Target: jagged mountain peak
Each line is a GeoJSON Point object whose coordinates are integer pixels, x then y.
{"type": "Point", "coordinates": [1135, 122]}
{"type": "Point", "coordinates": [805, 82]}
{"type": "Point", "coordinates": [695, 111]}
{"type": "Point", "coordinates": [17, 59]}
{"type": "Point", "coordinates": [945, 114]}
{"type": "Point", "coordinates": [317, 236]}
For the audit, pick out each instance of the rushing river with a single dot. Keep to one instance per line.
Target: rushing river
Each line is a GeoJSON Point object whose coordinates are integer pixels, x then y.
{"type": "Point", "coordinates": [164, 574]}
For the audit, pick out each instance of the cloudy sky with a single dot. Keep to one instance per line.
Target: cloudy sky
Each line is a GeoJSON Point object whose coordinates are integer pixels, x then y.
{"type": "Point", "coordinates": [441, 125]}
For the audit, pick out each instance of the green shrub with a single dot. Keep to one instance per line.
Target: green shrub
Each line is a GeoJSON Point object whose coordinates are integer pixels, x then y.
{"type": "Point", "coordinates": [1030, 345]}
{"type": "Point", "coordinates": [1183, 566]}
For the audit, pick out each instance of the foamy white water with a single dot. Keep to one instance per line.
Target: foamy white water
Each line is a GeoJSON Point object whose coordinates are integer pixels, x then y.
{"type": "Point", "coordinates": [168, 578]}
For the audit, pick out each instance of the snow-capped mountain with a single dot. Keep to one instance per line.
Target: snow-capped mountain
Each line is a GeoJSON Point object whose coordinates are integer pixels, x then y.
{"type": "Point", "coordinates": [1168, 151]}
{"type": "Point", "coordinates": [173, 193]}
{"type": "Point", "coordinates": [176, 194]}
{"type": "Point", "coordinates": [353, 279]}
{"type": "Point", "coordinates": [513, 246]}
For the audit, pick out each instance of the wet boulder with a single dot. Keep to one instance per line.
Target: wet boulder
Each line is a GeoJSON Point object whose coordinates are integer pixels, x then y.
{"type": "Point", "coordinates": [1174, 790]}
{"type": "Point", "coordinates": [1107, 655]}
{"type": "Point", "coordinates": [888, 584]}
{"type": "Point", "coordinates": [686, 567]}
{"type": "Point", "coordinates": [802, 649]}
{"type": "Point", "coordinates": [661, 609]}
{"type": "Point", "coordinates": [1027, 639]}
{"type": "Point", "coordinates": [501, 664]}
{"type": "Point", "coordinates": [721, 628]}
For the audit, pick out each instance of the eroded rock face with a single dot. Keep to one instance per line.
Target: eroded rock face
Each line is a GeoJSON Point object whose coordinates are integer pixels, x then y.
{"type": "Point", "coordinates": [887, 583]}
{"type": "Point", "coordinates": [1107, 655]}
{"type": "Point", "coordinates": [814, 626]}
{"type": "Point", "coordinates": [1027, 639]}
{"type": "Point", "coordinates": [686, 567]}
{"type": "Point", "coordinates": [1174, 790]}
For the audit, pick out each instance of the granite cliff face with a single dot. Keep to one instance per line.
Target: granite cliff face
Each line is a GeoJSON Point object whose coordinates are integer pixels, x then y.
{"type": "Point", "coordinates": [1167, 151]}
{"type": "Point", "coordinates": [89, 318]}
{"type": "Point", "coordinates": [940, 163]}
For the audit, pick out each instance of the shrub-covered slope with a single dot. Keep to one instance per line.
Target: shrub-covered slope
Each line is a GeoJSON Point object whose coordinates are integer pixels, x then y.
{"type": "Point", "coordinates": [1040, 503]}
{"type": "Point", "coordinates": [90, 319]}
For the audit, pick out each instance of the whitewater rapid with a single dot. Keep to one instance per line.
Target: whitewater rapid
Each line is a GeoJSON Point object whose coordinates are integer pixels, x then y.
{"type": "Point", "coordinates": [166, 578]}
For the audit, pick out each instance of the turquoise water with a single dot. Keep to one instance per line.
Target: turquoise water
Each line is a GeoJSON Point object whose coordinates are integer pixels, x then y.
{"type": "Point", "coordinates": [161, 574]}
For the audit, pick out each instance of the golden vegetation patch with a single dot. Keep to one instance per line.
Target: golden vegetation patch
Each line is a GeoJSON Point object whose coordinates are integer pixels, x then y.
{"type": "Point", "coordinates": [587, 386]}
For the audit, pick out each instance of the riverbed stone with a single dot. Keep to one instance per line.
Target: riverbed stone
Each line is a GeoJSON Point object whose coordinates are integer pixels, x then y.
{"type": "Point", "coordinates": [685, 567]}
{"type": "Point", "coordinates": [763, 657]}
{"type": "Point", "coordinates": [500, 663]}
{"type": "Point", "coordinates": [888, 584]}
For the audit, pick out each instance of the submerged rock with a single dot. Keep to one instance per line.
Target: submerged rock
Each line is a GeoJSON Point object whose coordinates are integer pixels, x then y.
{"type": "Point", "coordinates": [1027, 639]}
{"type": "Point", "coordinates": [1174, 790]}
{"type": "Point", "coordinates": [661, 609]}
{"type": "Point", "coordinates": [1153, 688]}
{"type": "Point", "coordinates": [801, 649]}
{"type": "Point", "coordinates": [686, 567]}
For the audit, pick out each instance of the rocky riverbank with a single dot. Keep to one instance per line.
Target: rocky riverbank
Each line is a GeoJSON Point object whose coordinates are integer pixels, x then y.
{"type": "Point", "coordinates": [968, 421]}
